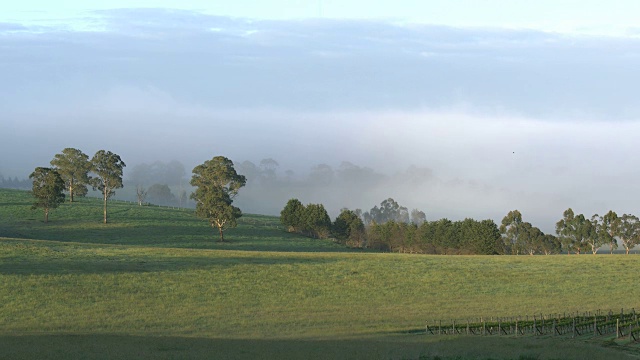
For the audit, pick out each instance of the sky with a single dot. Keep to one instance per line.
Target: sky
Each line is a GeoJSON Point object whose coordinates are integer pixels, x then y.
{"type": "Point", "coordinates": [505, 104]}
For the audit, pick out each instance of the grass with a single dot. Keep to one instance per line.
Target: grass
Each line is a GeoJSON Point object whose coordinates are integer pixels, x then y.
{"type": "Point", "coordinates": [154, 284]}
{"type": "Point", "coordinates": [149, 226]}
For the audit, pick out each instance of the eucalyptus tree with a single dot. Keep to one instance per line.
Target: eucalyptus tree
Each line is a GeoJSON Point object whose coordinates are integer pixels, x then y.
{"type": "Point", "coordinates": [511, 229]}
{"type": "Point", "coordinates": [108, 168]}
{"type": "Point", "coordinates": [594, 233]}
{"type": "Point", "coordinates": [217, 184]}
{"type": "Point", "coordinates": [610, 224]}
{"type": "Point", "coordinates": [629, 231]}
{"type": "Point", "coordinates": [531, 238]}
{"type": "Point", "coordinates": [48, 190]}
{"type": "Point", "coordinates": [550, 245]}
{"type": "Point", "coordinates": [73, 166]}
{"type": "Point", "coordinates": [571, 231]}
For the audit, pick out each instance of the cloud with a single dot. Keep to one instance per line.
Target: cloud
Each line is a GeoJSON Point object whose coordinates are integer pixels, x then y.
{"type": "Point", "coordinates": [491, 120]}
{"type": "Point", "coordinates": [318, 65]}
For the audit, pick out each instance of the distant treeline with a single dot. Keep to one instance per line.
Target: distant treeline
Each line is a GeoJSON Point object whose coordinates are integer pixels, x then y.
{"type": "Point", "coordinates": [391, 227]}
{"type": "Point", "coordinates": [15, 183]}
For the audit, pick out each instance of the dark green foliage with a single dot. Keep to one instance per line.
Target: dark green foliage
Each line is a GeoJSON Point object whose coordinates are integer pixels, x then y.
{"type": "Point", "coordinates": [572, 230]}
{"type": "Point", "coordinates": [217, 183]}
{"type": "Point", "coordinates": [108, 168]}
{"type": "Point", "coordinates": [316, 221]}
{"type": "Point", "coordinates": [292, 215]}
{"type": "Point", "coordinates": [47, 189]}
{"type": "Point", "coordinates": [510, 228]}
{"type": "Point", "coordinates": [348, 228]}
{"type": "Point", "coordinates": [629, 231]}
{"type": "Point", "coordinates": [73, 166]}
{"type": "Point", "coordinates": [436, 237]}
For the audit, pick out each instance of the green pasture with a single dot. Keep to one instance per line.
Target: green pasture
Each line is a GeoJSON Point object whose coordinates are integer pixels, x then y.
{"type": "Point", "coordinates": [154, 284]}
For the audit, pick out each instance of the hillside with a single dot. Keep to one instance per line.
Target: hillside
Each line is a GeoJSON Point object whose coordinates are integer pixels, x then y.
{"type": "Point", "coordinates": [155, 281]}
{"type": "Point", "coordinates": [149, 226]}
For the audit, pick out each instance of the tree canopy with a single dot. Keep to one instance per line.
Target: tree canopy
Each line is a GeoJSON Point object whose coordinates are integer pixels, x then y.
{"type": "Point", "coordinates": [108, 168]}
{"type": "Point", "coordinates": [217, 183]}
{"type": "Point", "coordinates": [73, 166]}
{"type": "Point", "coordinates": [48, 190]}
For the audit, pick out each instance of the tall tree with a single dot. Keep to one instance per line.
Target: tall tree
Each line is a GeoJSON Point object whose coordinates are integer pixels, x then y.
{"type": "Point", "coordinates": [629, 231]}
{"type": "Point", "coordinates": [594, 233]}
{"type": "Point", "coordinates": [217, 183]}
{"type": "Point", "coordinates": [572, 230]}
{"type": "Point", "coordinates": [609, 227]}
{"type": "Point", "coordinates": [511, 228]}
{"type": "Point", "coordinates": [48, 189]}
{"type": "Point", "coordinates": [73, 166]}
{"type": "Point", "coordinates": [108, 168]}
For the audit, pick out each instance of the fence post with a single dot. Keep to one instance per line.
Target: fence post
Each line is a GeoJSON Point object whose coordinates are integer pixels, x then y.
{"type": "Point", "coordinates": [595, 325]}
{"type": "Point", "coordinates": [440, 327]}
{"type": "Point", "coordinates": [499, 327]}
{"type": "Point", "coordinates": [617, 328]}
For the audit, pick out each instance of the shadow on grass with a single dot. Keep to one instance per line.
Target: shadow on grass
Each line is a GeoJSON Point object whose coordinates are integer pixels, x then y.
{"type": "Point", "coordinates": [138, 264]}
{"type": "Point", "coordinates": [408, 347]}
{"type": "Point", "coordinates": [193, 235]}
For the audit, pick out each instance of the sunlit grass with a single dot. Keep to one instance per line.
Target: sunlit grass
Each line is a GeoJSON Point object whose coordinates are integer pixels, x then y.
{"type": "Point", "coordinates": [69, 287]}
{"type": "Point", "coordinates": [154, 278]}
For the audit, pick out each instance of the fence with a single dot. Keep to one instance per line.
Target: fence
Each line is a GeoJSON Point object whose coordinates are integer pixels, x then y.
{"type": "Point", "coordinates": [624, 325]}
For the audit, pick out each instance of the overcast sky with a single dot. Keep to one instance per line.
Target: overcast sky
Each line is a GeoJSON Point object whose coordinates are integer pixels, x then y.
{"type": "Point", "coordinates": [510, 104]}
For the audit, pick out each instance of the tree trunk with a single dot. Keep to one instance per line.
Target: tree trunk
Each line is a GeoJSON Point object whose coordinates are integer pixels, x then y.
{"type": "Point", "coordinates": [71, 193]}
{"type": "Point", "coordinates": [221, 234]}
{"type": "Point", "coordinates": [611, 248]}
{"type": "Point", "coordinates": [105, 207]}
{"type": "Point", "coordinates": [46, 215]}
{"type": "Point", "coordinates": [627, 250]}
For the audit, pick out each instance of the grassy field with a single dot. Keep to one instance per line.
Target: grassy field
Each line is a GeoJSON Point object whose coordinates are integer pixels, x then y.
{"type": "Point", "coordinates": [155, 284]}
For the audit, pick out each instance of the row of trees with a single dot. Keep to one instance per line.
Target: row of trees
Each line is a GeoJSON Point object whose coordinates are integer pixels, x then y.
{"type": "Point", "coordinates": [70, 172]}
{"type": "Point", "coordinates": [216, 184]}
{"type": "Point", "coordinates": [391, 229]}
{"type": "Point", "coordinates": [576, 234]}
